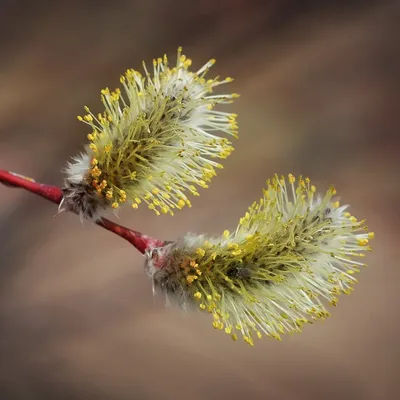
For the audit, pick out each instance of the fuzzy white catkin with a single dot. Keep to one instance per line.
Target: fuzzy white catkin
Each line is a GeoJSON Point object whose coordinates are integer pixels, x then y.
{"type": "Point", "coordinates": [291, 253]}
{"type": "Point", "coordinates": [157, 140]}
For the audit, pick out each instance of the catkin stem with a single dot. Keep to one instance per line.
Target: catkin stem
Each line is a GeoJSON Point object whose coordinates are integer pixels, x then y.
{"type": "Point", "coordinates": [54, 194]}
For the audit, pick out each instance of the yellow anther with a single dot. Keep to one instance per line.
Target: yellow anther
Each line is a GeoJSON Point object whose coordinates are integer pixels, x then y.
{"type": "Point", "coordinates": [132, 176]}
{"type": "Point", "coordinates": [203, 184]}
{"type": "Point", "coordinates": [96, 172]}
{"type": "Point", "coordinates": [108, 147]}
{"type": "Point", "coordinates": [334, 301]}
{"type": "Point", "coordinates": [115, 205]}
{"type": "Point", "coordinates": [276, 336]}
{"type": "Point", "coordinates": [226, 234]}
{"type": "Point", "coordinates": [191, 278]}
{"type": "Point", "coordinates": [248, 340]}
{"type": "Point", "coordinates": [134, 205]}
{"type": "Point", "coordinates": [197, 295]}
{"type": "Point", "coordinates": [201, 252]}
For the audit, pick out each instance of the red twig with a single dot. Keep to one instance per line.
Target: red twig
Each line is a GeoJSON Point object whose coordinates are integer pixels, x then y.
{"type": "Point", "coordinates": [54, 194]}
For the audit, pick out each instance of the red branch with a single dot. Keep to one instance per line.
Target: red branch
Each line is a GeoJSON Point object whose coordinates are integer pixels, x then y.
{"type": "Point", "coordinates": [54, 194]}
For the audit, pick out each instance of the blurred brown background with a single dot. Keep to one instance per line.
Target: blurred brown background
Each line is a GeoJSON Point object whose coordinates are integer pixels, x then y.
{"type": "Point", "coordinates": [320, 97]}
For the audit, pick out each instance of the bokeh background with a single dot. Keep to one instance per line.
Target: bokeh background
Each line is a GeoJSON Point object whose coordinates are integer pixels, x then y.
{"type": "Point", "coordinates": [319, 85]}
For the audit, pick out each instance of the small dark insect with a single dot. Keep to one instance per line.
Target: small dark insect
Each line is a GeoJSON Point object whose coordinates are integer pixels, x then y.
{"type": "Point", "coordinates": [239, 272]}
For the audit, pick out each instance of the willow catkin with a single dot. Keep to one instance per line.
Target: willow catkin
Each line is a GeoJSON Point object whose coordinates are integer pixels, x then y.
{"type": "Point", "coordinates": [292, 253]}
{"type": "Point", "coordinates": [157, 140]}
